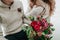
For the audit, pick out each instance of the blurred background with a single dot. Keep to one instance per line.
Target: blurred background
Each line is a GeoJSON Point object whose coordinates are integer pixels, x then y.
{"type": "Point", "coordinates": [55, 19]}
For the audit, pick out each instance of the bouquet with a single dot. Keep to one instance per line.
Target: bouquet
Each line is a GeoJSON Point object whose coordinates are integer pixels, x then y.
{"type": "Point", "coordinates": [39, 29]}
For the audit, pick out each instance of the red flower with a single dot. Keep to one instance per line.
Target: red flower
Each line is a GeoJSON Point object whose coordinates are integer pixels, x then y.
{"type": "Point", "coordinates": [44, 23]}
{"type": "Point", "coordinates": [37, 28]}
{"type": "Point", "coordinates": [36, 25]}
{"type": "Point", "coordinates": [39, 25]}
{"type": "Point", "coordinates": [33, 23]}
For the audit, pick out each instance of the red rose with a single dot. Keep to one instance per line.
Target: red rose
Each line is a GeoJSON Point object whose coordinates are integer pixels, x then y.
{"type": "Point", "coordinates": [39, 23]}
{"type": "Point", "coordinates": [37, 28]}
{"type": "Point", "coordinates": [36, 25]}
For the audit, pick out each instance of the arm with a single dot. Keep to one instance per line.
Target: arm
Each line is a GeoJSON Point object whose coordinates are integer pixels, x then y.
{"type": "Point", "coordinates": [39, 11]}
{"type": "Point", "coordinates": [35, 11]}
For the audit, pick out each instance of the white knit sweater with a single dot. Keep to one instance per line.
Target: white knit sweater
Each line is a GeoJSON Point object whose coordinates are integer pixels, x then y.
{"type": "Point", "coordinates": [11, 18]}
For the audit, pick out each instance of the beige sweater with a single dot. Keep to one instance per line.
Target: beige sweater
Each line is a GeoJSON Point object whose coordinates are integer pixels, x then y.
{"type": "Point", "coordinates": [11, 19]}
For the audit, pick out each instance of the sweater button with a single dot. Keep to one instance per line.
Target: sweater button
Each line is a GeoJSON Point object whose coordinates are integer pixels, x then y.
{"type": "Point", "coordinates": [19, 9]}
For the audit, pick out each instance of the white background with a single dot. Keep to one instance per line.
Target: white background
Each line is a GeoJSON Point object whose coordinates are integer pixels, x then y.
{"type": "Point", "coordinates": [56, 21]}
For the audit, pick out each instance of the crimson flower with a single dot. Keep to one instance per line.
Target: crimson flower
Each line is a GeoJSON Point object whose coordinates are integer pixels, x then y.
{"type": "Point", "coordinates": [44, 23]}
{"type": "Point", "coordinates": [39, 25]}
{"type": "Point", "coordinates": [36, 25]}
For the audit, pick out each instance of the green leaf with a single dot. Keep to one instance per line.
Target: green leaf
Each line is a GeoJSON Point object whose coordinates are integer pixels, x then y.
{"type": "Point", "coordinates": [43, 33]}
{"type": "Point", "coordinates": [46, 31]}
{"type": "Point", "coordinates": [40, 38]}
{"type": "Point", "coordinates": [51, 37]}
{"type": "Point", "coordinates": [31, 18]}
{"type": "Point", "coordinates": [52, 29]}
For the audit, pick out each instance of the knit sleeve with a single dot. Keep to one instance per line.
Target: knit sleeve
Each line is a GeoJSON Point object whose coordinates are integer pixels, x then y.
{"type": "Point", "coordinates": [35, 11]}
